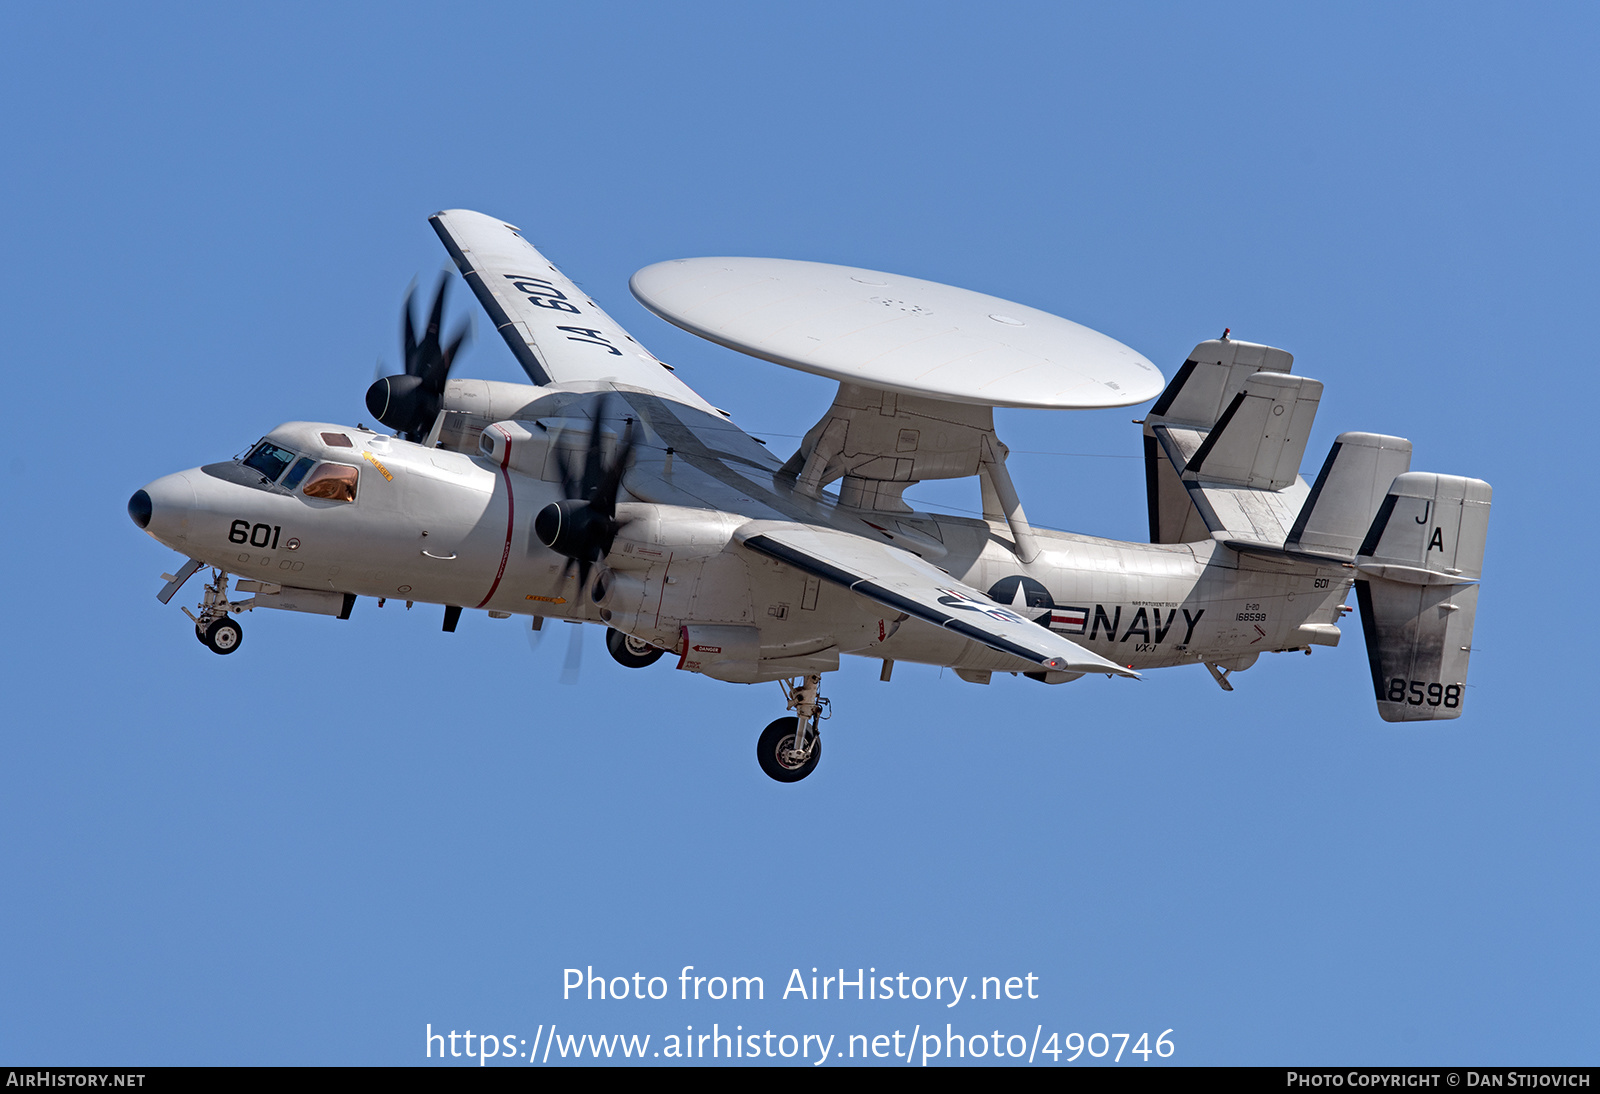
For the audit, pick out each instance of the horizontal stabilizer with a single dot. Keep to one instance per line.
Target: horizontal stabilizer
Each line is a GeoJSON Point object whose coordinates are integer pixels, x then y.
{"type": "Point", "coordinates": [1418, 600]}
{"type": "Point", "coordinates": [1259, 517]}
{"type": "Point", "coordinates": [906, 584]}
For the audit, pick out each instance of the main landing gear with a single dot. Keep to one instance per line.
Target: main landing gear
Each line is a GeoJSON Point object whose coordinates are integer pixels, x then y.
{"type": "Point", "coordinates": [631, 652]}
{"type": "Point", "coordinates": [215, 629]}
{"type": "Point", "coordinates": [789, 748]}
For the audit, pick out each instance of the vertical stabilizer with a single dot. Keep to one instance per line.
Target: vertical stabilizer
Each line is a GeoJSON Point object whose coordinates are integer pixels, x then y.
{"type": "Point", "coordinates": [1211, 383]}
{"type": "Point", "coordinates": [1419, 565]}
{"type": "Point", "coordinates": [1347, 493]}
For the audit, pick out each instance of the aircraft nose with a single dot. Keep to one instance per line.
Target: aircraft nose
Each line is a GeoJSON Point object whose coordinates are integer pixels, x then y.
{"type": "Point", "coordinates": [139, 508]}
{"type": "Point", "coordinates": [163, 507]}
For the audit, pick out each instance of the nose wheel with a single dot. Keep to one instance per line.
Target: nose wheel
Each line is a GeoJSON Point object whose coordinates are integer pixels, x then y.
{"type": "Point", "coordinates": [214, 627]}
{"type": "Point", "coordinates": [789, 748]}
{"type": "Point", "coordinates": [222, 636]}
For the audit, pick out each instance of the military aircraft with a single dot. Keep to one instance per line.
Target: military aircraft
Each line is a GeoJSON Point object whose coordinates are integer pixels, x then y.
{"type": "Point", "coordinates": [607, 491]}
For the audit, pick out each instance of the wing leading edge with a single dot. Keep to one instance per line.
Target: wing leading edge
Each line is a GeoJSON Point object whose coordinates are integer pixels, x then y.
{"type": "Point", "coordinates": [905, 583]}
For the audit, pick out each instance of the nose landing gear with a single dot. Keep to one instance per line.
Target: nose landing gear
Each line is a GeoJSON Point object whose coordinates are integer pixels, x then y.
{"type": "Point", "coordinates": [222, 636]}
{"type": "Point", "coordinates": [789, 748]}
{"type": "Point", "coordinates": [213, 627]}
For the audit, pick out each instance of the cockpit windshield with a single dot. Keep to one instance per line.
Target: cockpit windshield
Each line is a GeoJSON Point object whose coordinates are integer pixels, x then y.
{"type": "Point", "coordinates": [297, 472]}
{"type": "Point", "coordinates": [268, 460]}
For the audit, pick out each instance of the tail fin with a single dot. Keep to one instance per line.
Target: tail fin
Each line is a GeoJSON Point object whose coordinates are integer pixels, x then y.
{"type": "Point", "coordinates": [1420, 563]}
{"type": "Point", "coordinates": [1223, 414]}
{"type": "Point", "coordinates": [1348, 491]}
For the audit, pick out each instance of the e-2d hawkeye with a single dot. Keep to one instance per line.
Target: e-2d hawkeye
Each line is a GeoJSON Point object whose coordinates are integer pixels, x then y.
{"type": "Point", "coordinates": [609, 492]}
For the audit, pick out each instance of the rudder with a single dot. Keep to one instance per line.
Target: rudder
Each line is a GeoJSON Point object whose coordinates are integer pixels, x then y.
{"type": "Point", "coordinates": [1419, 565]}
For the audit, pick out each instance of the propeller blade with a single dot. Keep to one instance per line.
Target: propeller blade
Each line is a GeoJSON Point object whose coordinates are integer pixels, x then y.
{"type": "Point", "coordinates": [408, 334]}
{"type": "Point", "coordinates": [436, 319]}
{"type": "Point", "coordinates": [593, 472]}
{"type": "Point", "coordinates": [448, 357]}
{"type": "Point", "coordinates": [605, 499]}
{"type": "Point", "coordinates": [584, 525]}
{"type": "Point", "coordinates": [574, 662]}
{"type": "Point", "coordinates": [409, 403]}
{"type": "Point", "coordinates": [571, 484]}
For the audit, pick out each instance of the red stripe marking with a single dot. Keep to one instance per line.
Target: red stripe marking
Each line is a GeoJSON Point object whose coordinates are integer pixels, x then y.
{"type": "Point", "coordinates": [662, 598]}
{"type": "Point", "coordinates": [511, 519]}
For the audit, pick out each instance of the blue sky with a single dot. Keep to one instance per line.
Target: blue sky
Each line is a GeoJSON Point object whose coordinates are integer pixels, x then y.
{"type": "Point", "coordinates": [311, 850]}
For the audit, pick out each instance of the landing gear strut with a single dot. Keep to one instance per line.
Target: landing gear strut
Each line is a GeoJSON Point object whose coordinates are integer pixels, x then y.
{"type": "Point", "coordinates": [789, 748]}
{"type": "Point", "coordinates": [213, 627]}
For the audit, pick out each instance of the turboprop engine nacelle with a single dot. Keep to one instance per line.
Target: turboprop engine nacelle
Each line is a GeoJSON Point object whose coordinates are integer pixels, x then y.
{"type": "Point", "coordinates": [468, 407]}
{"type": "Point", "coordinates": [538, 448]}
{"type": "Point", "coordinates": [690, 543]}
{"type": "Point", "coordinates": [673, 567]}
{"type": "Point", "coordinates": [654, 534]}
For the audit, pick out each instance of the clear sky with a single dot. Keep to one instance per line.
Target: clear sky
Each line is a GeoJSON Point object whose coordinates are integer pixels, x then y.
{"type": "Point", "coordinates": [310, 851]}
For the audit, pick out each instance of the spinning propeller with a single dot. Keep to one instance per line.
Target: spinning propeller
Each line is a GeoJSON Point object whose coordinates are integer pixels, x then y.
{"type": "Point", "coordinates": [409, 403]}
{"type": "Point", "coordinates": [573, 665]}
{"type": "Point", "coordinates": [584, 526]}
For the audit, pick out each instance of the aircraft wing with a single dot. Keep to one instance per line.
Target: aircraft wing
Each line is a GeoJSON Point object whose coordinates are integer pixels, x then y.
{"type": "Point", "coordinates": [556, 332]}
{"type": "Point", "coordinates": [905, 583]}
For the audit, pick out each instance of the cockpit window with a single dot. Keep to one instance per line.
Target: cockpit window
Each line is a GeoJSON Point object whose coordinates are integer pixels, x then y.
{"type": "Point", "coordinates": [297, 472]}
{"type": "Point", "coordinates": [336, 440]}
{"type": "Point", "coordinates": [268, 460]}
{"type": "Point", "coordinates": [333, 481]}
